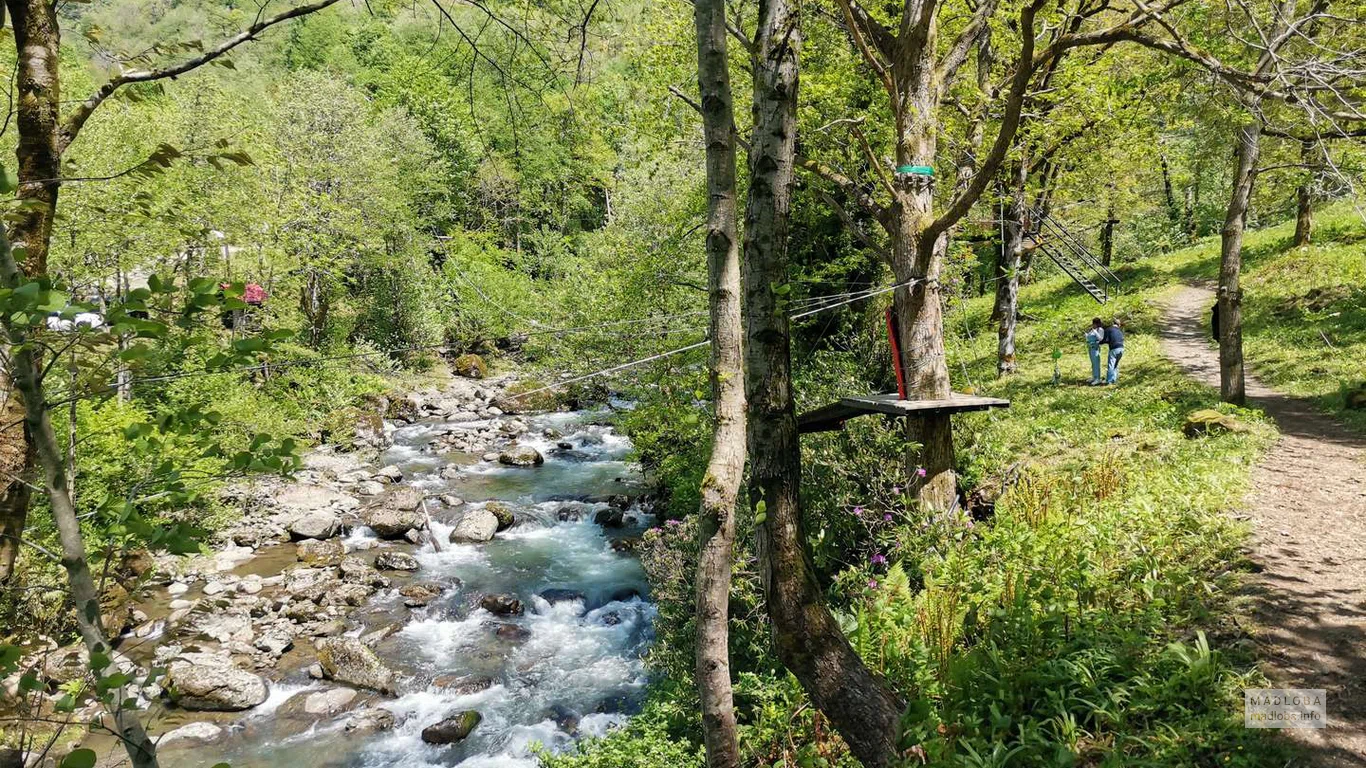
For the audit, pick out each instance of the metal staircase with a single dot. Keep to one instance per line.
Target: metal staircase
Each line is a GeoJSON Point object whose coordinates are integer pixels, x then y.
{"type": "Point", "coordinates": [1071, 256]}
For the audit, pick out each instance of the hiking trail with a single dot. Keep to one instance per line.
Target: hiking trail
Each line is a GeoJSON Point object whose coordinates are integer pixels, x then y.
{"type": "Point", "coordinates": [1307, 509]}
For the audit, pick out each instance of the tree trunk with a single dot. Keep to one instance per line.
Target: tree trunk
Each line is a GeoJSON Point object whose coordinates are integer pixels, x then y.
{"type": "Point", "coordinates": [725, 470]}
{"type": "Point", "coordinates": [1168, 194]}
{"type": "Point", "coordinates": [37, 40]}
{"type": "Point", "coordinates": [1304, 201]}
{"type": "Point", "coordinates": [1007, 309]}
{"type": "Point", "coordinates": [807, 638]}
{"type": "Point", "coordinates": [27, 372]}
{"type": "Point", "coordinates": [1231, 383]}
{"type": "Point", "coordinates": [1107, 236]}
{"type": "Point", "coordinates": [16, 462]}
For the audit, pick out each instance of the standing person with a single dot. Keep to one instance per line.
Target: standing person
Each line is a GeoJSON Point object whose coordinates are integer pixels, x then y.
{"type": "Point", "coordinates": [1094, 337]}
{"type": "Point", "coordinates": [1114, 340]}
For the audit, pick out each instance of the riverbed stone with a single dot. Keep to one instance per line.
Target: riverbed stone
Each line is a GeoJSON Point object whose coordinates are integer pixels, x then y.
{"type": "Point", "coordinates": [177, 588]}
{"type": "Point", "coordinates": [610, 518]}
{"type": "Point", "coordinates": [452, 729]}
{"type": "Point", "coordinates": [521, 456]}
{"type": "Point", "coordinates": [390, 523]}
{"type": "Point", "coordinates": [396, 561]}
{"type": "Point", "coordinates": [354, 570]}
{"type": "Point", "coordinates": [554, 596]}
{"type": "Point", "coordinates": [389, 474]}
{"type": "Point", "coordinates": [348, 660]}
{"type": "Point", "coordinates": [501, 604]}
{"type": "Point", "coordinates": [503, 512]}
{"type": "Point", "coordinates": [462, 684]}
{"type": "Point", "coordinates": [315, 525]}
{"type": "Point", "coordinates": [191, 732]}
{"type": "Point", "coordinates": [369, 488]}
{"type": "Point", "coordinates": [512, 633]}
{"type": "Point", "coordinates": [315, 552]}
{"type": "Point", "coordinates": [474, 526]}
{"type": "Point", "coordinates": [210, 682]}
{"type": "Point", "coordinates": [420, 593]}
{"type": "Point", "coordinates": [370, 720]}
{"type": "Point", "coordinates": [490, 456]}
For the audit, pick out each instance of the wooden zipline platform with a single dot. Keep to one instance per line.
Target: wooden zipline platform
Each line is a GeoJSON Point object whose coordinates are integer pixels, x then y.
{"type": "Point", "coordinates": [832, 417]}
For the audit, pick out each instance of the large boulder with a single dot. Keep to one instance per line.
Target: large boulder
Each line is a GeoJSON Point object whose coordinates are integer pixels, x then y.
{"type": "Point", "coordinates": [474, 527]}
{"type": "Point", "coordinates": [503, 512]}
{"type": "Point", "coordinates": [470, 366]}
{"type": "Point", "coordinates": [321, 553]}
{"type": "Point", "coordinates": [452, 729]}
{"type": "Point", "coordinates": [396, 561]}
{"type": "Point", "coordinates": [521, 456]}
{"type": "Point", "coordinates": [348, 660]}
{"type": "Point", "coordinates": [1208, 421]}
{"type": "Point", "coordinates": [209, 682]}
{"type": "Point", "coordinates": [320, 524]}
{"type": "Point", "coordinates": [390, 523]}
{"type": "Point", "coordinates": [404, 498]}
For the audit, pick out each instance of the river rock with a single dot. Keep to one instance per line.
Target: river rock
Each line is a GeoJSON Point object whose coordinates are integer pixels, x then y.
{"type": "Point", "coordinates": [319, 703]}
{"type": "Point", "coordinates": [369, 488]}
{"type": "Point", "coordinates": [521, 456]}
{"type": "Point", "coordinates": [389, 474]}
{"type": "Point", "coordinates": [390, 523]}
{"type": "Point", "coordinates": [315, 552]}
{"type": "Point", "coordinates": [208, 682]}
{"type": "Point", "coordinates": [475, 526]}
{"type": "Point", "coordinates": [354, 570]}
{"type": "Point", "coordinates": [503, 512]}
{"type": "Point", "coordinates": [315, 525]}
{"type": "Point", "coordinates": [177, 588]}
{"type": "Point", "coordinates": [462, 685]}
{"type": "Point", "coordinates": [191, 732]}
{"type": "Point", "coordinates": [406, 409]}
{"type": "Point", "coordinates": [501, 604]}
{"type": "Point", "coordinates": [214, 588]}
{"type": "Point", "coordinates": [470, 366]}
{"type": "Point", "coordinates": [348, 660]}
{"type": "Point", "coordinates": [511, 632]}
{"type": "Point", "coordinates": [452, 729]}
{"type": "Point", "coordinates": [396, 561]}
{"type": "Point", "coordinates": [274, 643]}
{"type": "Point", "coordinates": [404, 498]}
{"type": "Point", "coordinates": [554, 596]}
{"type": "Point", "coordinates": [348, 594]}
{"type": "Point", "coordinates": [490, 456]}
{"type": "Point", "coordinates": [304, 498]}
{"type": "Point", "coordinates": [370, 720]}
{"type": "Point", "coordinates": [610, 518]}
{"type": "Point", "coordinates": [420, 593]}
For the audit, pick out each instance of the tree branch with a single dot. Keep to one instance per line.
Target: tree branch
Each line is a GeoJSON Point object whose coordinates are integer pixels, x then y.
{"type": "Point", "coordinates": [957, 54]}
{"type": "Point", "coordinates": [82, 113]}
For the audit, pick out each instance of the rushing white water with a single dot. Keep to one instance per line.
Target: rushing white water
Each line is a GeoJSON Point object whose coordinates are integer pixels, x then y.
{"type": "Point", "coordinates": [571, 668]}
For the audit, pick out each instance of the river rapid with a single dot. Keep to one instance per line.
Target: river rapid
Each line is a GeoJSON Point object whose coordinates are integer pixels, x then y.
{"type": "Point", "coordinates": [569, 666]}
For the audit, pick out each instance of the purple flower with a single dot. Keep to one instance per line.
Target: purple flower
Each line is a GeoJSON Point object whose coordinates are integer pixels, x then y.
{"type": "Point", "coordinates": [858, 510]}
{"type": "Point", "coordinates": [887, 517]}
{"type": "Point", "coordinates": [872, 583]}
{"type": "Point", "coordinates": [673, 523]}
{"type": "Point", "coordinates": [896, 489]}
{"type": "Point", "coordinates": [919, 471]}
{"type": "Point", "coordinates": [878, 559]}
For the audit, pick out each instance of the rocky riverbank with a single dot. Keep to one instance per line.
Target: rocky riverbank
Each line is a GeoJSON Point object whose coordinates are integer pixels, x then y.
{"type": "Point", "coordinates": [283, 618]}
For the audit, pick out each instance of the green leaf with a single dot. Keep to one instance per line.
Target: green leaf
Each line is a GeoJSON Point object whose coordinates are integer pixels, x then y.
{"type": "Point", "coordinates": [80, 758]}
{"type": "Point", "coordinates": [9, 180]}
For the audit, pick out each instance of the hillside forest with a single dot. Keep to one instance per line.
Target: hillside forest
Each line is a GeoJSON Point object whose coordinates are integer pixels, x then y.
{"type": "Point", "coordinates": [618, 384]}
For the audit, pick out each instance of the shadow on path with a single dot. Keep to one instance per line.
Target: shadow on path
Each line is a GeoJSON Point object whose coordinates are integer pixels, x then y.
{"type": "Point", "coordinates": [1308, 513]}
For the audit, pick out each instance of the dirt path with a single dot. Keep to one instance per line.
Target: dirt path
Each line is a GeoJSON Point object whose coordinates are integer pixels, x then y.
{"type": "Point", "coordinates": [1308, 511]}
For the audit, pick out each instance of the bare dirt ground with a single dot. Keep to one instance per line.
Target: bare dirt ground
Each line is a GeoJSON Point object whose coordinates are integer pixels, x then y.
{"type": "Point", "coordinates": [1308, 513]}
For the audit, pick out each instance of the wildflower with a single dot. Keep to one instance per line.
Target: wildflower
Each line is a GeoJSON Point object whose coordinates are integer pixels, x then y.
{"type": "Point", "coordinates": [887, 517]}
{"type": "Point", "coordinates": [673, 523]}
{"type": "Point", "coordinates": [872, 583]}
{"type": "Point", "coordinates": [920, 472]}
{"type": "Point", "coordinates": [896, 489]}
{"type": "Point", "coordinates": [858, 511]}
{"type": "Point", "coordinates": [878, 559]}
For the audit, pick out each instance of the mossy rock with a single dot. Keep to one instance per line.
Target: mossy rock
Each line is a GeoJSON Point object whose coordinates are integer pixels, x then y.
{"type": "Point", "coordinates": [1354, 398]}
{"type": "Point", "coordinates": [471, 366]}
{"type": "Point", "coordinates": [525, 396]}
{"type": "Point", "coordinates": [503, 512]}
{"type": "Point", "coordinates": [1208, 421]}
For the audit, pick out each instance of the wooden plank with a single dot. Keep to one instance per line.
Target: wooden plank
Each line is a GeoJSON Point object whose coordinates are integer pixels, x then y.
{"type": "Point", "coordinates": [832, 416]}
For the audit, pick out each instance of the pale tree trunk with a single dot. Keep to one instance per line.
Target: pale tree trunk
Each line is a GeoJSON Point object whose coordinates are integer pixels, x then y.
{"type": "Point", "coordinates": [16, 464]}
{"type": "Point", "coordinates": [27, 373]}
{"type": "Point", "coordinates": [806, 636]}
{"type": "Point", "coordinates": [725, 470]}
{"type": "Point", "coordinates": [1230, 298]}
{"type": "Point", "coordinates": [1007, 309]}
{"type": "Point", "coordinates": [1304, 200]}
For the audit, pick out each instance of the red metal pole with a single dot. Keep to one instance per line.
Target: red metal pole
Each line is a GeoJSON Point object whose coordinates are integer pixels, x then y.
{"type": "Point", "coordinates": [895, 339]}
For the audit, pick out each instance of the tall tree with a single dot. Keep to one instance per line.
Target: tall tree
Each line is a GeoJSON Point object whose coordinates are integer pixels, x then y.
{"type": "Point", "coordinates": [725, 470]}
{"type": "Point", "coordinates": [808, 639]}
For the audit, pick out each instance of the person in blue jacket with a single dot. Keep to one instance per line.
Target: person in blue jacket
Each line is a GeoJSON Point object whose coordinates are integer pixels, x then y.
{"type": "Point", "coordinates": [1114, 341]}
{"type": "Point", "coordinates": [1094, 337]}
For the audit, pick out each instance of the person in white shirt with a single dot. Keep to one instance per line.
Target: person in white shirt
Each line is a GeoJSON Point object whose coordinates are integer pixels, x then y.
{"type": "Point", "coordinates": [1093, 339]}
